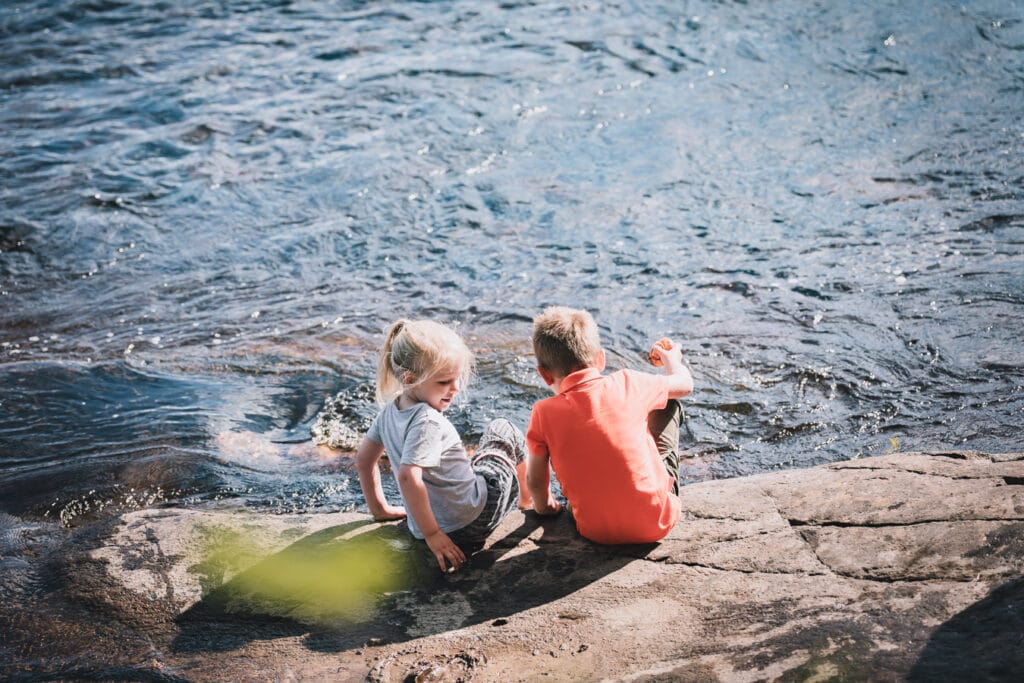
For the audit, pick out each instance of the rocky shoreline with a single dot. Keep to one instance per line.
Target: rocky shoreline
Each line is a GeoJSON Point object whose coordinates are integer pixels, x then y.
{"type": "Point", "coordinates": [902, 567]}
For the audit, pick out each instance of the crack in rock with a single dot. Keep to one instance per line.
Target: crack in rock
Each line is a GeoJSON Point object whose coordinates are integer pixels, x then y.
{"type": "Point", "coordinates": [737, 570]}
{"type": "Point", "coordinates": [883, 525]}
{"type": "Point", "coordinates": [922, 473]}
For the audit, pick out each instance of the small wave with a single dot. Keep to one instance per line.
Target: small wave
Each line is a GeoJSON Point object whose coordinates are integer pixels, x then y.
{"type": "Point", "coordinates": [993, 223]}
{"type": "Point", "coordinates": [1005, 33]}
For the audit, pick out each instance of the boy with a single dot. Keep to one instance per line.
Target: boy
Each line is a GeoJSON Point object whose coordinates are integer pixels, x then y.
{"type": "Point", "coordinates": [599, 433]}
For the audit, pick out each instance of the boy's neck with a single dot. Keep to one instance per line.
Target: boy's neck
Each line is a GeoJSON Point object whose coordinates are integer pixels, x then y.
{"type": "Point", "coordinates": [556, 380]}
{"type": "Point", "coordinates": [556, 384]}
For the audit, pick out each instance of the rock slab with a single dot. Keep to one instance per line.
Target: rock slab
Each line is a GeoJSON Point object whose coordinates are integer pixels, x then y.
{"type": "Point", "coordinates": [903, 567]}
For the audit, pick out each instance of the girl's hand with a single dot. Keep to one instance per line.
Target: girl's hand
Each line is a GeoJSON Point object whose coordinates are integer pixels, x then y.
{"type": "Point", "coordinates": [389, 512]}
{"type": "Point", "coordinates": [445, 551]}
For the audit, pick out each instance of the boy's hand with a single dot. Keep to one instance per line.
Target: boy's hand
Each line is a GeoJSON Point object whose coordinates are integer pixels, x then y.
{"type": "Point", "coordinates": [390, 512]}
{"type": "Point", "coordinates": [445, 551]}
{"type": "Point", "coordinates": [548, 508]}
{"type": "Point", "coordinates": [664, 351]}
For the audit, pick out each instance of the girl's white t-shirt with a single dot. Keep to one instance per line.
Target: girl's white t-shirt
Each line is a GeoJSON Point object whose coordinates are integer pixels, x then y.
{"type": "Point", "coordinates": [420, 435]}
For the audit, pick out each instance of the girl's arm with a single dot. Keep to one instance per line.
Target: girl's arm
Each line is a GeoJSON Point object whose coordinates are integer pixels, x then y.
{"type": "Point", "coordinates": [410, 480]}
{"type": "Point", "coordinates": [367, 457]}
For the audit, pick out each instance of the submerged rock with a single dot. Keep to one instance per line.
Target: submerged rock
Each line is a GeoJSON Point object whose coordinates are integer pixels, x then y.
{"type": "Point", "coordinates": [901, 567]}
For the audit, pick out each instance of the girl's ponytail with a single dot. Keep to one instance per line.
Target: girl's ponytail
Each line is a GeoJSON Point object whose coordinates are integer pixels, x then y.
{"type": "Point", "coordinates": [388, 381]}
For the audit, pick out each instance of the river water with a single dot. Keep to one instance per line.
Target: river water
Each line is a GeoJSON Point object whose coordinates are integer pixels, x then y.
{"type": "Point", "coordinates": [211, 210]}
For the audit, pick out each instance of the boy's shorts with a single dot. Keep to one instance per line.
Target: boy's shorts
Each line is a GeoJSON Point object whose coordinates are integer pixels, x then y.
{"type": "Point", "coordinates": [502, 448]}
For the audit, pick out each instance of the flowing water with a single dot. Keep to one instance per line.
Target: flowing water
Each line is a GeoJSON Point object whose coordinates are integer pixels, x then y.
{"type": "Point", "coordinates": [211, 210]}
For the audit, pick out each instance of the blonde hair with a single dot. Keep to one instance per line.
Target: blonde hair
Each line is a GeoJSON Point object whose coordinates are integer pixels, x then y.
{"type": "Point", "coordinates": [565, 340]}
{"type": "Point", "coordinates": [416, 350]}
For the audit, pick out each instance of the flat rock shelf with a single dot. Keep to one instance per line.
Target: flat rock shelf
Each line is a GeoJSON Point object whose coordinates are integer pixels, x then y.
{"type": "Point", "coordinates": [902, 567]}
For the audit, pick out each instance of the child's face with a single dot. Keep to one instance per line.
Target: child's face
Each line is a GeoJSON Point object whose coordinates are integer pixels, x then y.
{"type": "Point", "coordinates": [439, 390]}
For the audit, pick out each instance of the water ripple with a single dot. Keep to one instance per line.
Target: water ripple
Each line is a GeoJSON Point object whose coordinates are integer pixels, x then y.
{"type": "Point", "coordinates": [211, 211]}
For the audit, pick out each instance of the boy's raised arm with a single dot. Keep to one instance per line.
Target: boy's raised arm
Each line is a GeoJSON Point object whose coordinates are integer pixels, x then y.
{"type": "Point", "coordinates": [680, 384]}
{"type": "Point", "coordinates": [680, 381]}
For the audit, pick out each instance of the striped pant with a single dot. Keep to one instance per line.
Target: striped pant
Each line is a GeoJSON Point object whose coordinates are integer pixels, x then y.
{"type": "Point", "coordinates": [502, 447]}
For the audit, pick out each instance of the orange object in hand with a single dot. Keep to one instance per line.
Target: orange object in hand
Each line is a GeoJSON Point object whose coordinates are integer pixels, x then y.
{"type": "Point", "coordinates": [664, 343]}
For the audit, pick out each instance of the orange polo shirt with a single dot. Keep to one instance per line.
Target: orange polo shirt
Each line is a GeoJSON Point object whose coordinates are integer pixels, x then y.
{"type": "Point", "coordinates": [595, 434]}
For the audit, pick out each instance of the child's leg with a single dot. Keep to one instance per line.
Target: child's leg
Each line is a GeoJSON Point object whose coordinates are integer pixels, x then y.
{"type": "Point", "coordinates": [664, 427]}
{"type": "Point", "coordinates": [501, 435]}
{"type": "Point", "coordinates": [498, 459]}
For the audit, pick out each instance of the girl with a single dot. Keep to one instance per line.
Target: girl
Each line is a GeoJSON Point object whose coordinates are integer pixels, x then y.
{"type": "Point", "coordinates": [452, 501]}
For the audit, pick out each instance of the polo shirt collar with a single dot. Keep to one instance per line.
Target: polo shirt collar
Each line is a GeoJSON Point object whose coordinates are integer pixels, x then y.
{"type": "Point", "coordinates": [579, 377]}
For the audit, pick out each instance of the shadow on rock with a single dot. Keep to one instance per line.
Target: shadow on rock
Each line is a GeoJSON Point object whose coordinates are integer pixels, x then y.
{"type": "Point", "coordinates": [985, 642]}
{"type": "Point", "coordinates": [363, 583]}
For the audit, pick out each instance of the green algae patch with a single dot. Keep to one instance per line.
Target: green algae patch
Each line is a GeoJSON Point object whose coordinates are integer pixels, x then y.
{"type": "Point", "coordinates": [224, 553]}
{"type": "Point", "coordinates": [326, 577]}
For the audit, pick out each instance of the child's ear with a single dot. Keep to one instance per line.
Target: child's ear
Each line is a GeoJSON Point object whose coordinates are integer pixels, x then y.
{"type": "Point", "coordinates": [599, 360]}
{"type": "Point", "coordinates": [408, 378]}
{"type": "Point", "coordinates": [546, 375]}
